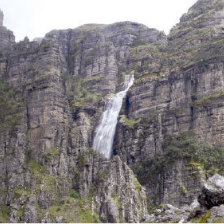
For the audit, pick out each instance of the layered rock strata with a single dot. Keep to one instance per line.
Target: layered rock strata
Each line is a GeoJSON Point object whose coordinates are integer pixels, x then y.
{"type": "Point", "coordinates": [54, 90]}
{"type": "Point", "coordinates": [47, 162]}
{"type": "Point", "coordinates": [179, 89]}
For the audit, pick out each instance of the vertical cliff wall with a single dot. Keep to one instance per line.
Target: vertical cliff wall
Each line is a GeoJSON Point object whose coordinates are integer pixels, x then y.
{"type": "Point", "coordinates": [59, 87]}
{"type": "Point", "coordinates": [179, 90]}
{"type": "Point", "coordinates": [170, 130]}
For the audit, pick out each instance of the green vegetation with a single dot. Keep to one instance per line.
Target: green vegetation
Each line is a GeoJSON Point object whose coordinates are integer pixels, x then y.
{"type": "Point", "coordinates": [202, 219]}
{"type": "Point", "coordinates": [102, 175]}
{"type": "Point", "coordinates": [33, 165]}
{"type": "Point", "coordinates": [21, 211]}
{"type": "Point", "coordinates": [22, 192]}
{"type": "Point", "coordinates": [190, 43]}
{"type": "Point", "coordinates": [122, 71]}
{"type": "Point", "coordinates": [85, 213]}
{"type": "Point", "coordinates": [175, 112]}
{"type": "Point", "coordinates": [80, 93]}
{"type": "Point", "coordinates": [145, 124]}
{"type": "Point", "coordinates": [182, 186]}
{"type": "Point", "coordinates": [145, 58]}
{"type": "Point", "coordinates": [208, 100]}
{"type": "Point", "coordinates": [72, 209]}
{"type": "Point", "coordinates": [203, 46]}
{"type": "Point", "coordinates": [137, 184]}
{"type": "Point", "coordinates": [73, 193]}
{"type": "Point", "coordinates": [49, 184]}
{"type": "Point", "coordinates": [150, 206]}
{"type": "Point", "coordinates": [116, 200]}
{"type": "Point", "coordinates": [11, 109]}
{"type": "Point", "coordinates": [128, 122]}
{"type": "Point", "coordinates": [138, 42]}
{"type": "Point", "coordinates": [119, 206]}
{"type": "Point", "coordinates": [41, 81]}
{"type": "Point", "coordinates": [4, 213]}
{"type": "Point", "coordinates": [51, 153]}
{"type": "Point", "coordinates": [82, 160]}
{"type": "Point", "coordinates": [140, 47]}
{"type": "Point", "coordinates": [184, 147]}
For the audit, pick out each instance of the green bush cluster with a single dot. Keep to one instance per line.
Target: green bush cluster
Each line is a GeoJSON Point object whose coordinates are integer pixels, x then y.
{"type": "Point", "coordinates": [73, 194]}
{"type": "Point", "coordinates": [11, 108]}
{"type": "Point", "coordinates": [4, 213]}
{"type": "Point", "coordinates": [79, 91]}
{"type": "Point", "coordinates": [208, 100]}
{"type": "Point", "coordinates": [73, 209]}
{"type": "Point", "coordinates": [184, 147]}
{"type": "Point", "coordinates": [53, 152]}
{"type": "Point", "coordinates": [202, 219]}
{"type": "Point", "coordinates": [138, 42]}
{"type": "Point", "coordinates": [129, 123]}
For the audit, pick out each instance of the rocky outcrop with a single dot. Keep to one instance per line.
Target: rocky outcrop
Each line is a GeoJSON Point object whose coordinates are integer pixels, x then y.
{"type": "Point", "coordinates": [211, 202]}
{"type": "Point", "coordinates": [212, 192]}
{"type": "Point", "coordinates": [7, 38]}
{"type": "Point", "coordinates": [120, 195]}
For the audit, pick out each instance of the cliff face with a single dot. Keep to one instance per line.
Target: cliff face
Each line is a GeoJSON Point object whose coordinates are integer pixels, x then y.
{"type": "Point", "coordinates": [179, 89]}
{"type": "Point", "coordinates": [6, 36]}
{"type": "Point", "coordinates": [53, 92]}
{"type": "Point", "coordinates": [58, 88]}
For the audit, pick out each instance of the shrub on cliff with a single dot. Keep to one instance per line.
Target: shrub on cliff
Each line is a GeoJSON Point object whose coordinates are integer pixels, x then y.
{"type": "Point", "coordinates": [184, 147]}
{"type": "Point", "coordinates": [11, 108]}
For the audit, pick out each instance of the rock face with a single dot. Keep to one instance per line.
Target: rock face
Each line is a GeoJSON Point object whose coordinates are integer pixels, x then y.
{"type": "Point", "coordinates": [58, 85]}
{"type": "Point", "coordinates": [6, 36]}
{"type": "Point", "coordinates": [179, 89]}
{"type": "Point", "coordinates": [53, 91]}
{"type": "Point", "coordinates": [124, 202]}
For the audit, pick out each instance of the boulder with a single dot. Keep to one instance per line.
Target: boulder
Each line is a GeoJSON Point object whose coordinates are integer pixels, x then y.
{"type": "Point", "coordinates": [212, 192]}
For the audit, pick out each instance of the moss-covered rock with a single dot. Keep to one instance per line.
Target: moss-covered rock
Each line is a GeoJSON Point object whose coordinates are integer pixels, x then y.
{"type": "Point", "coordinates": [4, 213]}
{"type": "Point", "coordinates": [69, 209]}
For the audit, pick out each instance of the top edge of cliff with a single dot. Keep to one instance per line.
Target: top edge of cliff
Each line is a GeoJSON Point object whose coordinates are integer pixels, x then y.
{"type": "Point", "coordinates": [201, 7]}
{"type": "Point", "coordinates": [98, 27]}
{"type": "Point", "coordinates": [205, 9]}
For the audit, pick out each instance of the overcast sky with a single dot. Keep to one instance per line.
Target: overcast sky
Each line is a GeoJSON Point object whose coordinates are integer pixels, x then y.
{"type": "Point", "coordinates": [34, 18]}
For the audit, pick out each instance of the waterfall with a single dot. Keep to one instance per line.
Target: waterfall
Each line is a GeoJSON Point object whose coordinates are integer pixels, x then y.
{"type": "Point", "coordinates": [105, 131]}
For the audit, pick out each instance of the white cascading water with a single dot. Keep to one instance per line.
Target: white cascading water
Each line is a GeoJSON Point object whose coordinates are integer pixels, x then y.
{"type": "Point", "coordinates": [104, 137]}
